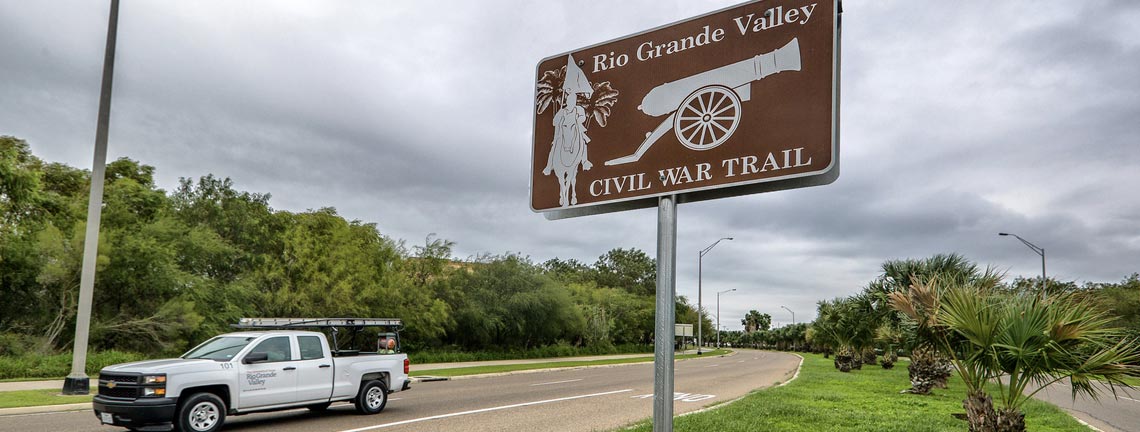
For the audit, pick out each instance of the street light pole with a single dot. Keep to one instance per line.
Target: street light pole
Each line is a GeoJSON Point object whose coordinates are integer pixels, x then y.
{"type": "Point", "coordinates": [793, 323]}
{"type": "Point", "coordinates": [700, 309]}
{"type": "Point", "coordinates": [77, 382]}
{"type": "Point", "coordinates": [1039, 250]}
{"type": "Point", "coordinates": [718, 315]}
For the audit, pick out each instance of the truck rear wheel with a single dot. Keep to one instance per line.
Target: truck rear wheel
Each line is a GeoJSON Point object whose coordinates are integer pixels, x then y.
{"type": "Point", "coordinates": [201, 412]}
{"type": "Point", "coordinates": [372, 397]}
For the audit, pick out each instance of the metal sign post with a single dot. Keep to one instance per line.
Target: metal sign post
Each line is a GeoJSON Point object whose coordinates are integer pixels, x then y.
{"type": "Point", "coordinates": [666, 314]}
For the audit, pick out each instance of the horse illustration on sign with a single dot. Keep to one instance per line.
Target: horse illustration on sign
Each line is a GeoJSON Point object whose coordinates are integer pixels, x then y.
{"type": "Point", "coordinates": [569, 147]}
{"type": "Point", "coordinates": [704, 109]}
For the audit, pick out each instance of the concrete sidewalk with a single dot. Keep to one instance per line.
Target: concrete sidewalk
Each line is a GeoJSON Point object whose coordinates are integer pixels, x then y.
{"type": "Point", "coordinates": [31, 385]}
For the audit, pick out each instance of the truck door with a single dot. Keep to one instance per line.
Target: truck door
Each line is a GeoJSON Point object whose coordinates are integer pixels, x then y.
{"type": "Point", "coordinates": [272, 381]}
{"type": "Point", "coordinates": [314, 370]}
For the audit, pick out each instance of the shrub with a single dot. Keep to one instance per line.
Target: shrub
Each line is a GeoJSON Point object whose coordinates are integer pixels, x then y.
{"type": "Point", "coordinates": [59, 365]}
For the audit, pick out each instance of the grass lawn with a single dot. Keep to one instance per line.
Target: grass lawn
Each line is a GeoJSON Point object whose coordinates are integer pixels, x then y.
{"type": "Point", "coordinates": [25, 398]}
{"type": "Point", "coordinates": [475, 370]}
{"type": "Point", "coordinates": [824, 399]}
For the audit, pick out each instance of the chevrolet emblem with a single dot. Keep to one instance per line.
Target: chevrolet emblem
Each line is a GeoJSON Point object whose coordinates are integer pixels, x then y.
{"type": "Point", "coordinates": [111, 384]}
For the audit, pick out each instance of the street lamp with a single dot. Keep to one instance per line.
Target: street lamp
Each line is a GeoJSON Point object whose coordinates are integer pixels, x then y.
{"type": "Point", "coordinates": [1038, 250]}
{"type": "Point", "coordinates": [700, 310]}
{"type": "Point", "coordinates": [718, 315]}
{"type": "Point", "coordinates": [793, 323]}
{"type": "Point", "coordinates": [77, 382]}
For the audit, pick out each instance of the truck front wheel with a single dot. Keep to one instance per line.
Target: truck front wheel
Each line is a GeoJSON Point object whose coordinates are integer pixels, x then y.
{"type": "Point", "coordinates": [201, 412]}
{"type": "Point", "coordinates": [372, 397]}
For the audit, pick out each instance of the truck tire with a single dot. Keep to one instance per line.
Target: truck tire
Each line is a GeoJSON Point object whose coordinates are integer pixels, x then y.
{"type": "Point", "coordinates": [372, 397]}
{"type": "Point", "coordinates": [201, 412]}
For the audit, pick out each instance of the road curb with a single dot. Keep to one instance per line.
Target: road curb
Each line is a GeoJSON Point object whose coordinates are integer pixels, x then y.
{"type": "Point", "coordinates": [45, 409]}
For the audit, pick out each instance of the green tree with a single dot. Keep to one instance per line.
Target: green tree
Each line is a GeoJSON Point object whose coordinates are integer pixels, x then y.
{"type": "Point", "coordinates": [756, 321]}
{"type": "Point", "coordinates": [628, 269]}
{"type": "Point", "coordinates": [19, 182]}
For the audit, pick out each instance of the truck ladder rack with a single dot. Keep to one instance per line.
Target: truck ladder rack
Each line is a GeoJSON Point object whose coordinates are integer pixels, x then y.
{"type": "Point", "coordinates": [278, 323]}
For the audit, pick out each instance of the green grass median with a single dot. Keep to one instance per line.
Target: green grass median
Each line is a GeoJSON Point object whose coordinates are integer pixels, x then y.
{"type": "Point", "coordinates": [27, 398]}
{"type": "Point", "coordinates": [479, 370]}
{"type": "Point", "coordinates": [824, 399]}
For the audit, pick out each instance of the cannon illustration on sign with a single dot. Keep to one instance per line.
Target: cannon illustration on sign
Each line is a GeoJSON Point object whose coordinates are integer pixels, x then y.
{"type": "Point", "coordinates": [704, 109]}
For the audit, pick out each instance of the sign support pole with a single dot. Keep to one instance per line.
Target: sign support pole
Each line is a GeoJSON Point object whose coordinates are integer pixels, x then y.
{"type": "Point", "coordinates": [666, 314]}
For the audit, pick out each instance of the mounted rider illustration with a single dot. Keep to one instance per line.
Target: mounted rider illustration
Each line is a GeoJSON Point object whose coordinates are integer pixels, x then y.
{"type": "Point", "coordinates": [569, 146]}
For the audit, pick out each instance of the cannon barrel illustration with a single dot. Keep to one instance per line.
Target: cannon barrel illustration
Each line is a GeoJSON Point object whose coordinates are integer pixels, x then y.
{"type": "Point", "coordinates": [704, 109]}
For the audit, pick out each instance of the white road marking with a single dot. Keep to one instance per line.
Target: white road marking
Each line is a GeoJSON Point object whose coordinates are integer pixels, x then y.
{"type": "Point", "coordinates": [1133, 400]}
{"type": "Point", "coordinates": [498, 408]}
{"type": "Point", "coordinates": [556, 382]}
{"type": "Point", "coordinates": [683, 397]}
{"type": "Point", "coordinates": [715, 365]}
{"type": "Point", "coordinates": [740, 361]}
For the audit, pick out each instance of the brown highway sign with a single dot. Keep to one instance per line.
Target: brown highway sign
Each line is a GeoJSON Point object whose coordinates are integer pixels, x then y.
{"type": "Point", "coordinates": [737, 101]}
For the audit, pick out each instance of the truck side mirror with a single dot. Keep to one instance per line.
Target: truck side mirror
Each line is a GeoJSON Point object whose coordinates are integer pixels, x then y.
{"type": "Point", "coordinates": [255, 357]}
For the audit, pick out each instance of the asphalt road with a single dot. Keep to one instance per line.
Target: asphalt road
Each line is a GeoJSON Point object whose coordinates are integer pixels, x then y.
{"type": "Point", "coordinates": [571, 400]}
{"type": "Point", "coordinates": [1108, 413]}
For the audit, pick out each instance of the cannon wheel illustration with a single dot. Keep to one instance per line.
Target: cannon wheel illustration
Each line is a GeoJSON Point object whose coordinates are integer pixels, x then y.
{"type": "Point", "coordinates": [707, 118]}
{"type": "Point", "coordinates": [705, 109]}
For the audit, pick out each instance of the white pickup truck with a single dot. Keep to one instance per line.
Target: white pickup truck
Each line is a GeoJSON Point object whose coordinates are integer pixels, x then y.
{"type": "Point", "coordinates": [254, 371]}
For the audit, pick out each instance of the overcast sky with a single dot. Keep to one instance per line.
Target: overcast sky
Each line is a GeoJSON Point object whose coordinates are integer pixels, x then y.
{"type": "Point", "coordinates": [959, 120]}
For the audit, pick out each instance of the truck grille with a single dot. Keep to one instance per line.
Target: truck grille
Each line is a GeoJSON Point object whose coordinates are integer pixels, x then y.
{"type": "Point", "coordinates": [124, 386]}
{"type": "Point", "coordinates": [119, 392]}
{"type": "Point", "coordinates": [133, 379]}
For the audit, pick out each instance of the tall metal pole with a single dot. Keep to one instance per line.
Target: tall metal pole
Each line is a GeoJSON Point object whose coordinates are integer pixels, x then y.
{"type": "Point", "coordinates": [700, 309]}
{"type": "Point", "coordinates": [793, 323]}
{"type": "Point", "coordinates": [700, 312]}
{"type": "Point", "coordinates": [77, 382]}
{"type": "Point", "coordinates": [666, 314]}
{"type": "Point", "coordinates": [718, 315]}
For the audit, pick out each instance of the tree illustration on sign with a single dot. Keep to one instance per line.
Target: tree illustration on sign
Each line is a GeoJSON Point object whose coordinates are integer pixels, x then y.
{"type": "Point", "coordinates": [578, 104]}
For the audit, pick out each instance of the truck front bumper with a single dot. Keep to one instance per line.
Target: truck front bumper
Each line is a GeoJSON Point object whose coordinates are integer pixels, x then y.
{"type": "Point", "coordinates": [142, 414]}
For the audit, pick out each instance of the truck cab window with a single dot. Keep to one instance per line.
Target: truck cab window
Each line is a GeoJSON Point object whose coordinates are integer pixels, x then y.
{"type": "Point", "coordinates": [278, 348]}
{"type": "Point", "coordinates": [311, 347]}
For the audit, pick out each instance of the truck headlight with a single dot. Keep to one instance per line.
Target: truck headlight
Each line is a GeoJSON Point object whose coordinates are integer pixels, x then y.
{"type": "Point", "coordinates": [153, 386]}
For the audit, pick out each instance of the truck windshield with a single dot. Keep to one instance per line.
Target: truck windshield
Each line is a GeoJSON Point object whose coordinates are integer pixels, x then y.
{"type": "Point", "coordinates": [220, 348]}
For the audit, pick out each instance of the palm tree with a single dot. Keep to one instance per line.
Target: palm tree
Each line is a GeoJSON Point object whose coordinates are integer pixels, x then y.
{"type": "Point", "coordinates": [598, 105]}
{"type": "Point", "coordinates": [1026, 342]}
{"type": "Point", "coordinates": [847, 324]}
{"type": "Point", "coordinates": [913, 282]}
{"type": "Point", "coordinates": [920, 304]}
{"type": "Point", "coordinates": [550, 89]}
